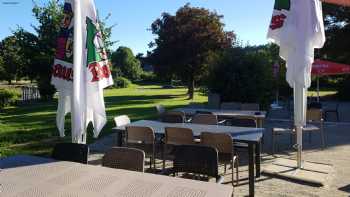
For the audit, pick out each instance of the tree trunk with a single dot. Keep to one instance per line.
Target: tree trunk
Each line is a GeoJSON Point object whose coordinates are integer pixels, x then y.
{"type": "Point", "coordinates": [191, 89]}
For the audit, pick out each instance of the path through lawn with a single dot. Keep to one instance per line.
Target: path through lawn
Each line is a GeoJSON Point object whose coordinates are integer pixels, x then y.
{"type": "Point", "coordinates": [31, 128]}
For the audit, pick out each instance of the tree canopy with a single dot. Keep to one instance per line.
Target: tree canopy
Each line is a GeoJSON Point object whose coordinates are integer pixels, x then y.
{"type": "Point", "coordinates": [12, 59]}
{"type": "Point", "coordinates": [124, 59]}
{"type": "Point", "coordinates": [186, 43]}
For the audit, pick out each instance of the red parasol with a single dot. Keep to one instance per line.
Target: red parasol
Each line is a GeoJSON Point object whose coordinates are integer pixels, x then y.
{"type": "Point", "coordinates": [322, 68]}
{"type": "Point", "coordinates": [339, 2]}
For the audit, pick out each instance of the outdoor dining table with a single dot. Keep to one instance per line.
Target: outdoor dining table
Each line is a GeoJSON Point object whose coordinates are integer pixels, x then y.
{"type": "Point", "coordinates": [32, 176]}
{"type": "Point", "coordinates": [248, 135]}
{"type": "Point", "coordinates": [259, 116]}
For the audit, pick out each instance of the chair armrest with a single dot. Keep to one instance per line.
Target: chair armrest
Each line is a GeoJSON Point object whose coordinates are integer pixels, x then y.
{"type": "Point", "coordinates": [219, 179]}
{"type": "Point", "coordinates": [189, 120]}
{"type": "Point", "coordinates": [222, 122]}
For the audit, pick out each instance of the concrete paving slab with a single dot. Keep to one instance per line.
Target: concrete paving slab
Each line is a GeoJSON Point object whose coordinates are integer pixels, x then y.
{"type": "Point", "coordinates": [313, 173]}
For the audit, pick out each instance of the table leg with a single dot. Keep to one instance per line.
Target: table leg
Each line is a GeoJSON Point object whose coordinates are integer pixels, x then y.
{"type": "Point", "coordinates": [119, 137]}
{"type": "Point", "coordinates": [257, 158]}
{"type": "Point", "coordinates": [251, 168]}
{"type": "Point", "coordinates": [259, 123]}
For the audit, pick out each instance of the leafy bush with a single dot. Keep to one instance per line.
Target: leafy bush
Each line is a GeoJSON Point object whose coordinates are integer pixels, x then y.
{"type": "Point", "coordinates": [124, 59]}
{"type": "Point", "coordinates": [148, 77]}
{"type": "Point", "coordinates": [243, 76]}
{"type": "Point", "coordinates": [122, 82]}
{"type": "Point", "coordinates": [343, 89]}
{"type": "Point", "coordinates": [8, 97]}
{"type": "Point", "coordinates": [46, 90]}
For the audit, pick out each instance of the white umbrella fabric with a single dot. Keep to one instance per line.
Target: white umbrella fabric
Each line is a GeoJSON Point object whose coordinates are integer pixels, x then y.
{"type": "Point", "coordinates": [81, 70]}
{"type": "Point", "coordinates": [297, 27]}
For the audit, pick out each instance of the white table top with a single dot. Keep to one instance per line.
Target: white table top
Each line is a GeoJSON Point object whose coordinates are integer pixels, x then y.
{"type": "Point", "coordinates": [159, 127]}
{"type": "Point", "coordinates": [67, 179]}
{"type": "Point", "coordinates": [223, 112]}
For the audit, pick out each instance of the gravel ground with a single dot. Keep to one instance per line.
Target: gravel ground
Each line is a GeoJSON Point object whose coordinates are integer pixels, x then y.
{"type": "Point", "coordinates": [336, 154]}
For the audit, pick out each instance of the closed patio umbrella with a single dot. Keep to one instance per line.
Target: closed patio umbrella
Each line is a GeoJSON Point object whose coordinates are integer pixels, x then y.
{"type": "Point", "coordinates": [81, 70]}
{"type": "Point", "coordinates": [297, 27]}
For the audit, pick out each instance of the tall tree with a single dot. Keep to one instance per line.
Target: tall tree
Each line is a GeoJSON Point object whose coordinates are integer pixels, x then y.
{"type": "Point", "coordinates": [337, 24]}
{"type": "Point", "coordinates": [28, 49]}
{"type": "Point", "coordinates": [2, 68]}
{"type": "Point", "coordinates": [124, 59]}
{"type": "Point", "coordinates": [107, 33]}
{"type": "Point", "coordinates": [49, 17]}
{"type": "Point", "coordinates": [11, 56]}
{"type": "Point", "coordinates": [187, 41]}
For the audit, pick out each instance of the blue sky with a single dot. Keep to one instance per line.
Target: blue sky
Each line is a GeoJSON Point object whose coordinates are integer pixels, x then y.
{"type": "Point", "coordinates": [249, 19]}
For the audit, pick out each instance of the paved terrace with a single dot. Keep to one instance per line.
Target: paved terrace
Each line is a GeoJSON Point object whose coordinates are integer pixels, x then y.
{"type": "Point", "coordinates": [337, 154]}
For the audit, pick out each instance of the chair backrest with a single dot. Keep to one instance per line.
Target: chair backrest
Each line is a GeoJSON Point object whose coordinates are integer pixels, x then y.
{"type": "Point", "coordinates": [196, 105]}
{"type": "Point", "coordinates": [243, 122]}
{"type": "Point", "coordinates": [203, 112]}
{"type": "Point", "coordinates": [250, 107]}
{"type": "Point", "coordinates": [214, 100]}
{"type": "Point", "coordinates": [121, 120]}
{"type": "Point", "coordinates": [173, 117]}
{"type": "Point", "coordinates": [231, 106]}
{"type": "Point", "coordinates": [209, 119]}
{"type": "Point", "coordinates": [315, 105]}
{"type": "Point", "coordinates": [221, 141]}
{"type": "Point", "coordinates": [140, 135]}
{"type": "Point", "coordinates": [314, 115]}
{"type": "Point", "coordinates": [124, 158]}
{"type": "Point", "coordinates": [178, 136]}
{"type": "Point", "coordinates": [160, 109]}
{"type": "Point", "coordinates": [196, 159]}
{"type": "Point", "coordinates": [71, 152]}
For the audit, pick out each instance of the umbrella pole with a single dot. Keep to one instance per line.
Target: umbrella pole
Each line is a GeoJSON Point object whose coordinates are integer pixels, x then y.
{"type": "Point", "coordinates": [299, 132]}
{"type": "Point", "coordinates": [318, 89]}
{"type": "Point", "coordinates": [299, 120]}
{"type": "Point", "coordinates": [77, 102]}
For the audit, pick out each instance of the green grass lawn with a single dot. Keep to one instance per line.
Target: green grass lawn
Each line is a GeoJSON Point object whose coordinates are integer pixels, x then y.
{"type": "Point", "coordinates": [31, 128]}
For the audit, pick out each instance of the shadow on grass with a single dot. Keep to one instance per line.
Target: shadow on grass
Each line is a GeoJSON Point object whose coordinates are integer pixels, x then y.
{"type": "Point", "coordinates": [127, 100]}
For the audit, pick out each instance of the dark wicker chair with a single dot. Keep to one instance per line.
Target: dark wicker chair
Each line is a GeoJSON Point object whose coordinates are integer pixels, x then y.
{"type": "Point", "coordinates": [231, 106]}
{"type": "Point", "coordinates": [250, 107]}
{"type": "Point", "coordinates": [173, 117]}
{"type": "Point", "coordinates": [71, 152]}
{"type": "Point", "coordinates": [203, 112]}
{"type": "Point", "coordinates": [175, 136]}
{"type": "Point", "coordinates": [243, 122]}
{"type": "Point", "coordinates": [209, 119]}
{"type": "Point", "coordinates": [124, 158]}
{"type": "Point", "coordinates": [198, 160]}
{"type": "Point", "coordinates": [331, 108]}
{"type": "Point", "coordinates": [223, 143]}
{"type": "Point", "coordinates": [315, 123]}
{"type": "Point", "coordinates": [142, 138]}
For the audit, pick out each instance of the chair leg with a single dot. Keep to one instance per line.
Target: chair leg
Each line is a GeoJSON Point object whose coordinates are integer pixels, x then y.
{"type": "Point", "coordinates": [237, 166]}
{"type": "Point", "coordinates": [310, 137]}
{"type": "Point", "coordinates": [232, 171]}
{"type": "Point", "coordinates": [337, 114]}
{"type": "Point", "coordinates": [225, 168]}
{"type": "Point", "coordinates": [150, 162]}
{"type": "Point", "coordinates": [273, 142]}
{"type": "Point", "coordinates": [323, 137]}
